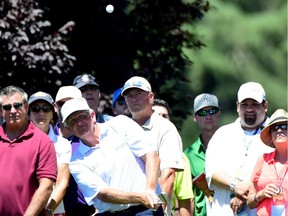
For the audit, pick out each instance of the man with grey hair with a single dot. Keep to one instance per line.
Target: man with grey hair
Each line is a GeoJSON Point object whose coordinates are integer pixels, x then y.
{"type": "Point", "coordinates": [114, 166]}
{"type": "Point", "coordinates": [28, 159]}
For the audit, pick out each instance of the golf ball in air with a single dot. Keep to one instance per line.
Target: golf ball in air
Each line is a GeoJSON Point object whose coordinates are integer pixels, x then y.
{"type": "Point", "coordinates": [109, 8]}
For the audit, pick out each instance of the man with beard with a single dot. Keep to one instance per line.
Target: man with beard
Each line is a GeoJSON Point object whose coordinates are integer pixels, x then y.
{"type": "Point", "coordinates": [233, 151]}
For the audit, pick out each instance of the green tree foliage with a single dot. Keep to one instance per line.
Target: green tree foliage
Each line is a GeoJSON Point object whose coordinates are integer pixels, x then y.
{"type": "Point", "coordinates": [30, 56]}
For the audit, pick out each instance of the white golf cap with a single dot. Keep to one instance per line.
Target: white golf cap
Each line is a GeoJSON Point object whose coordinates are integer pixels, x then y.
{"type": "Point", "coordinates": [68, 92]}
{"type": "Point", "coordinates": [73, 105]}
{"type": "Point", "coordinates": [137, 82]}
{"type": "Point", "coordinates": [251, 90]}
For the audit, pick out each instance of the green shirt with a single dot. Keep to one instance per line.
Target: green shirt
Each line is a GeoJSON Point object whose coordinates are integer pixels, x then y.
{"type": "Point", "coordinates": [196, 155]}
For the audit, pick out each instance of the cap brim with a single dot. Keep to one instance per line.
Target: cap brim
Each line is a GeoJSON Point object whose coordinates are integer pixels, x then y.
{"type": "Point", "coordinates": [250, 96]}
{"type": "Point", "coordinates": [130, 87]}
{"type": "Point", "coordinates": [80, 85]}
{"type": "Point", "coordinates": [39, 98]}
{"type": "Point", "coordinates": [206, 106]}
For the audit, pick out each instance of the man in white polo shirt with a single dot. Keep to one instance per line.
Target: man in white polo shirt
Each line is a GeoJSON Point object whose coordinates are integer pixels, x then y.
{"type": "Point", "coordinates": [116, 169]}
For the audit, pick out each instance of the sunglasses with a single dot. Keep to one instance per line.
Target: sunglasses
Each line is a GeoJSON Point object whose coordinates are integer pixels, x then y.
{"type": "Point", "coordinates": [211, 111]}
{"type": "Point", "coordinates": [16, 105]}
{"type": "Point", "coordinates": [88, 87]}
{"type": "Point", "coordinates": [277, 127]}
{"type": "Point", "coordinates": [43, 108]}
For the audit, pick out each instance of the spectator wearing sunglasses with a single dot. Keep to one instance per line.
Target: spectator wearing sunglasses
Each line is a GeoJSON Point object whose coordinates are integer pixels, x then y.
{"type": "Point", "coordinates": [41, 113]}
{"type": "Point", "coordinates": [119, 105]}
{"type": "Point", "coordinates": [233, 151]}
{"type": "Point", "coordinates": [207, 114]}
{"type": "Point", "coordinates": [28, 159]}
{"type": "Point", "coordinates": [89, 88]}
{"type": "Point", "coordinates": [269, 191]}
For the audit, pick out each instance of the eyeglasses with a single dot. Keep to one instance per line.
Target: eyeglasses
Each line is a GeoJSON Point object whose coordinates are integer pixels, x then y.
{"type": "Point", "coordinates": [16, 105]}
{"type": "Point", "coordinates": [277, 127]}
{"type": "Point", "coordinates": [38, 108]}
{"type": "Point", "coordinates": [88, 87]}
{"type": "Point", "coordinates": [203, 112]}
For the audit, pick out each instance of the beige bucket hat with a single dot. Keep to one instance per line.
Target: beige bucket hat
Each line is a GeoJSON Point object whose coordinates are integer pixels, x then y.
{"type": "Point", "coordinates": [280, 115]}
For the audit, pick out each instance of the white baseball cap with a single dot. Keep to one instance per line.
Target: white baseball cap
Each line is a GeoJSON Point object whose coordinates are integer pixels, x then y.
{"type": "Point", "coordinates": [205, 100]}
{"type": "Point", "coordinates": [68, 92]}
{"type": "Point", "coordinates": [137, 82]}
{"type": "Point", "coordinates": [73, 105]}
{"type": "Point", "coordinates": [251, 90]}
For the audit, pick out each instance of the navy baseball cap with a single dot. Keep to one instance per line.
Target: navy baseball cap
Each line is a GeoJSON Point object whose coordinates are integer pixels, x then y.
{"type": "Point", "coordinates": [85, 79]}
